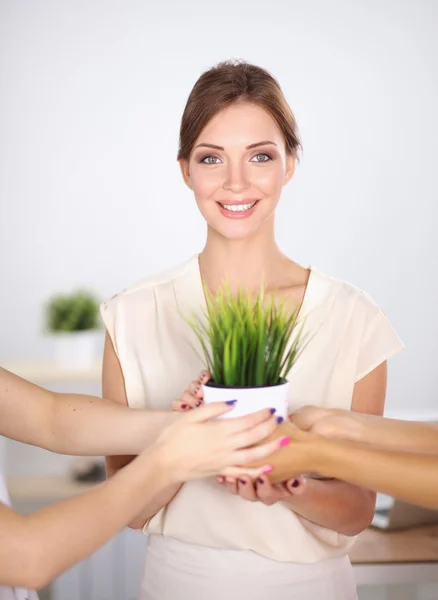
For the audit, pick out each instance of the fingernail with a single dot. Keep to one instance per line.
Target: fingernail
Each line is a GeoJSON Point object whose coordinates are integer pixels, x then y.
{"type": "Point", "coordinates": [198, 403]}
{"type": "Point", "coordinates": [242, 481]}
{"type": "Point", "coordinates": [295, 483]}
{"type": "Point", "coordinates": [272, 410]}
{"type": "Point", "coordinates": [284, 442]}
{"type": "Point", "coordinates": [183, 406]}
{"type": "Point", "coordinates": [267, 470]}
{"type": "Point", "coordinates": [260, 480]}
{"type": "Point", "coordinates": [280, 420]}
{"type": "Point", "coordinates": [230, 402]}
{"type": "Point", "coordinates": [196, 390]}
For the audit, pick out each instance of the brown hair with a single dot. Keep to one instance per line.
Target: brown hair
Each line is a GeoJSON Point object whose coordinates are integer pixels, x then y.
{"type": "Point", "coordinates": [229, 82]}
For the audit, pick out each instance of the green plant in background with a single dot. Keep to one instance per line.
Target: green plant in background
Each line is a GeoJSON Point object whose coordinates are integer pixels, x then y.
{"type": "Point", "coordinates": [247, 342]}
{"type": "Point", "coordinates": [78, 311]}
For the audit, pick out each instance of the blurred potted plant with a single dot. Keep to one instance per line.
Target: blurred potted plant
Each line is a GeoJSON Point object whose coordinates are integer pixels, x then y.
{"type": "Point", "coordinates": [249, 346]}
{"type": "Point", "coordinates": [73, 319]}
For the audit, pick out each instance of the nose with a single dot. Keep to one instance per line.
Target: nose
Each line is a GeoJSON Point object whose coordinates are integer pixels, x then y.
{"type": "Point", "coordinates": [236, 180]}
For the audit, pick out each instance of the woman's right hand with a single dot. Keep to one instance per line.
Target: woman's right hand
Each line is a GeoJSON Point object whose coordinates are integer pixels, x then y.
{"type": "Point", "coordinates": [198, 445]}
{"type": "Point", "coordinates": [193, 396]}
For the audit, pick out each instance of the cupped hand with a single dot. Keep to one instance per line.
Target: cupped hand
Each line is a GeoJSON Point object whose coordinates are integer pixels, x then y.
{"type": "Point", "coordinates": [262, 490]}
{"type": "Point", "coordinates": [199, 445]}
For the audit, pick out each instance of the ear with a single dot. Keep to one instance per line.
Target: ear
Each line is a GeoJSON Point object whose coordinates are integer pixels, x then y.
{"type": "Point", "coordinates": [185, 172]}
{"type": "Point", "coordinates": [290, 168]}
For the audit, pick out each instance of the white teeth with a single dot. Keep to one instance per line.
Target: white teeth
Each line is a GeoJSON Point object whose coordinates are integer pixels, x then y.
{"type": "Point", "coordinates": [238, 207]}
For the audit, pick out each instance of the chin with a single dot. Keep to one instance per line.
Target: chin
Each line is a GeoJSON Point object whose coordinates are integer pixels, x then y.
{"type": "Point", "coordinates": [234, 231]}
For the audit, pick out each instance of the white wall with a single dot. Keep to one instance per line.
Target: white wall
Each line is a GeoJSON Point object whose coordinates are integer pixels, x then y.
{"type": "Point", "coordinates": [90, 193]}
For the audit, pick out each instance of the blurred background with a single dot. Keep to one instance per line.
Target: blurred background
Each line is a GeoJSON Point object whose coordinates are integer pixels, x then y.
{"type": "Point", "coordinates": [91, 94]}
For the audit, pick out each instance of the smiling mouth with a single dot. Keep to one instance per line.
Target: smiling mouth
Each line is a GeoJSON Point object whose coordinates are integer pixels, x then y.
{"type": "Point", "coordinates": [238, 207]}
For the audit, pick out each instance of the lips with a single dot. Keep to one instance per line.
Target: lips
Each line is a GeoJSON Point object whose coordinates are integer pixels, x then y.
{"type": "Point", "coordinates": [238, 209]}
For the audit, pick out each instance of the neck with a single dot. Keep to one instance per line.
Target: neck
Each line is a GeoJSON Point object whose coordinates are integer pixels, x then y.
{"type": "Point", "coordinates": [244, 263]}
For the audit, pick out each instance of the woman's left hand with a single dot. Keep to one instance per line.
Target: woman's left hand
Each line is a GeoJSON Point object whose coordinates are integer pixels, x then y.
{"type": "Point", "coordinates": [262, 490]}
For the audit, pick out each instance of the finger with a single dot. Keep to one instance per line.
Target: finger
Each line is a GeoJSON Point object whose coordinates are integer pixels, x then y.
{"type": "Point", "coordinates": [265, 491]}
{"type": "Point", "coordinates": [258, 453]}
{"type": "Point", "coordinates": [296, 486]}
{"type": "Point", "coordinates": [252, 473]}
{"type": "Point", "coordinates": [180, 405]}
{"type": "Point", "coordinates": [240, 424]}
{"type": "Point", "coordinates": [204, 377]}
{"type": "Point", "coordinates": [245, 488]}
{"type": "Point", "coordinates": [256, 434]}
{"type": "Point", "coordinates": [306, 417]}
{"type": "Point", "coordinates": [210, 411]}
{"type": "Point", "coordinates": [190, 399]}
{"type": "Point", "coordinates": [196, 391]}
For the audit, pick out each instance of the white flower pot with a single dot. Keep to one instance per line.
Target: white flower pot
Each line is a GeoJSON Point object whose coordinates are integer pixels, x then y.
{"type": "Point", "coordinates": [250, 400]}
{"type": "Point", "coordinates": [76, 350]}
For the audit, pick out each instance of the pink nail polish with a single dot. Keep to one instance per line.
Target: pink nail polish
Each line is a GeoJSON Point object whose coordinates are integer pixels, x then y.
{"type": "Point", "coordinates": [284, 442]}
{"type": "Point", "coordinates": [267, 470]}
{"type": "Point", "coordinates": [183, 406]}
{"type": "Point", "coordinates": [295, 483]}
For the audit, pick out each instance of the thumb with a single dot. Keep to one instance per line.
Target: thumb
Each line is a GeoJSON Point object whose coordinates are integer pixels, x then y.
{"type": "Point", "coordinates": [210, 411]}
{"type": "Point", "coordinates": [307, 416]}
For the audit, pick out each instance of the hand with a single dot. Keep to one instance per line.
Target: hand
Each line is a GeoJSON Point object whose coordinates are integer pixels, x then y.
{"type": "Point", "coordinates": [193, 396]}
{"type": "Point", "coordinates": [330, 423]}
{"type": "Point", "coordinates": [262, 490]}
{"type": "Point", "coordinates": [196, 446]}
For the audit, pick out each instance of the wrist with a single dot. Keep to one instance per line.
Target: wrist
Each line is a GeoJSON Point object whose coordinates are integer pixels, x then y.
{"type": "Point", "coordinates": [154, 465]}
{"type": "Point", "coordinates": [326, 456]}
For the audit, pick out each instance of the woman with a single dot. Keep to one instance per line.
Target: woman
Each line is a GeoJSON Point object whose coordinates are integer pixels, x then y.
{"type": "Point", "coordinates": [36, 548]}
{"type": "Point", "coordinates": [238, 148]}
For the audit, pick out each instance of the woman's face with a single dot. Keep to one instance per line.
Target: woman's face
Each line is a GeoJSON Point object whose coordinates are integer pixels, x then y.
{"type": "Point", "coordinates": [237, 169]}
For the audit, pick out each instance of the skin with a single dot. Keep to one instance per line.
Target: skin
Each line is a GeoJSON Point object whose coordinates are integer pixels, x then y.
{"type": "Point", "coordinates": [398, 458]}
{"type": "Point", "coordinates": [294, 491]}
{"type": "Point", "coordinates": [32, 547]}
{"type": "Point", "coordinates": [229, 163]}
{"type": "Point", "coordinates": [376, 432]}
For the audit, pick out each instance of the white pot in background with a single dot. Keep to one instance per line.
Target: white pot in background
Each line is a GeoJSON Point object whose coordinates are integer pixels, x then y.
{"type": "Point", "coordinates": [76, 350]}
{"type": "Point", "coordinates": [250, 400]}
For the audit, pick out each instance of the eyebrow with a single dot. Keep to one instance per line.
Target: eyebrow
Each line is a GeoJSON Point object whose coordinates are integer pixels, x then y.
{"type": "Point", "coordinates": [250, 147]}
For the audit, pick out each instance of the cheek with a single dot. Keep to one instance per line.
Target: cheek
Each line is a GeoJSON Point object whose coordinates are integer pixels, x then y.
{"type": "Point", "coordinates": [205, 183]}
{"type": "Point", "coordinates": [269, 180]}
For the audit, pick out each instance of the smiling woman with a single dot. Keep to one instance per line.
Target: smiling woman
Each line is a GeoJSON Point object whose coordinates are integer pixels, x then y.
{"type": "Point", "coordinates": [238, 148]}
{"type": "Point", "coordinates": [240, 175]}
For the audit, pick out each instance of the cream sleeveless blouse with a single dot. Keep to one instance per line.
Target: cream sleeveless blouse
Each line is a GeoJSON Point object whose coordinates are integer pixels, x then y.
{"type": "Point", "coordinates": [350, 336]}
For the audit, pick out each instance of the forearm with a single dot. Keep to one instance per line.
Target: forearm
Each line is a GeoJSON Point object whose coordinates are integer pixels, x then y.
{"type": "Point", "coordinates": [73, 423]}
{"type": "Point", "coordinates": [114, 464]}
{"type": "Point", "coordinates": [86, 425]}
{"type": "Point", "coordinates": [39, 551]}
{"type": "Point", "coordinates": [151, 508]}
{"type": "Point", "coordinates": [412, 477]}
{"type": "Point", "coordinates": [392, 434]}
{"type": "Point", "coordinates": [336, 505]}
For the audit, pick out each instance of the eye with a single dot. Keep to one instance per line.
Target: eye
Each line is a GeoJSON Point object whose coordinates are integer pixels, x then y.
{"type": "Point", "coordinates": [261, 157]}
{"type": "Point", "coordinates": [210, 160]}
